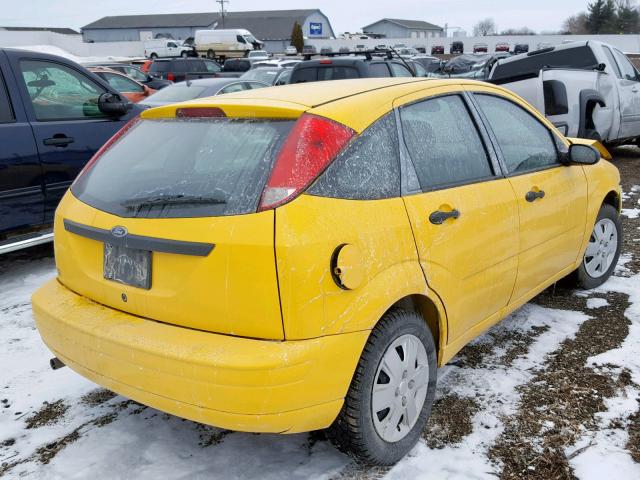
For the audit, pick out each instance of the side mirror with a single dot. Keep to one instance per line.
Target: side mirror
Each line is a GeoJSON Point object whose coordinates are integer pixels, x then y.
{"type": "Point", "coordinates": [113, 104]}
{"type": "Point", "coordinates": [582, 155]}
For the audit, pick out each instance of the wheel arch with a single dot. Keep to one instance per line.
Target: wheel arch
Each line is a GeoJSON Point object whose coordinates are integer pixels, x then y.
{"type": "Point", "coordinates": [589, 99]}
{"type": "Point", "coordinates": [432, 312]}
{"type": "Point", "coordinates": [613, 198]}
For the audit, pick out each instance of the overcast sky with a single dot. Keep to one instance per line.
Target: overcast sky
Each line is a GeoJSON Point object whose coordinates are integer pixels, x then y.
{"type": "Point", "coordinates": [345, 15]}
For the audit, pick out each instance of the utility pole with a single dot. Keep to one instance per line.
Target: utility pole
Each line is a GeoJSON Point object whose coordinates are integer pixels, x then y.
{"type": "Point", "coordinates": [222, 12]}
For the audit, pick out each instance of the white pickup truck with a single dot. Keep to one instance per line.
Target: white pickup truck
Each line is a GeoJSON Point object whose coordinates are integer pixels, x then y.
{"type": "Point", "coordinates": [167, 48]}
{"type": "Point", "coordinates": [587, 89]}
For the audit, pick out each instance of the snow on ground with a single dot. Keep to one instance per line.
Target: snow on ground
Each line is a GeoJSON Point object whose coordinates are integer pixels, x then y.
{"type": "Point", "coordinates": [57, 425]}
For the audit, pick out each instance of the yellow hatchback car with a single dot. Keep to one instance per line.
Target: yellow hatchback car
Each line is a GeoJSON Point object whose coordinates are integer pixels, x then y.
{"type": "Point", "coordinates": [304, 257]}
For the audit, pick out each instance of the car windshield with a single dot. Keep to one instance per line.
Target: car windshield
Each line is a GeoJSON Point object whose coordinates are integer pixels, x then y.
{"type": "Point", "coordinates": [185, 168]}
{"type": "Point", "coordinates": [265, 75]}
{"type": "Point", "coordinates": [178, 92]}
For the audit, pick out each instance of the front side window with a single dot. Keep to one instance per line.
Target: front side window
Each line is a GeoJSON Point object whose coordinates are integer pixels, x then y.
{"type": "Point", "coordinates": [240, 39]}
{"type": "Point", "coordinates": [612, 61]}
{"type": "Point", "coordinates": [58, 92]}
{"type": "Point", "coordinates": [626, 67]}
{"type": "Point", "coordinates": [369, 168]}
{"type": "Point", "coordinates": [122, 83]}
{"type": "Point", "coordinates": [526, 144]}
{"type": "Point", "coordinates": [172, 45]}
{"type": "Point", "coordinates": [443, 143]}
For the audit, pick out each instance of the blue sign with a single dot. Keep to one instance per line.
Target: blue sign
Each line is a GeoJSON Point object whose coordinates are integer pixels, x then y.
{"type": "Point", "coordinates": [315, 28]}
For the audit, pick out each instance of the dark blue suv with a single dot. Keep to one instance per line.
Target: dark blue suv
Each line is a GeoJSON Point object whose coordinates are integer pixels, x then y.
{"type": "Point", "coordinates": [54, 115]}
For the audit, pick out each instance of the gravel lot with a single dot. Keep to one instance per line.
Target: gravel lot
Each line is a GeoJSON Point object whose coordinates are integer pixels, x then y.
{"type": "Point", "coordinates": [552, 392]}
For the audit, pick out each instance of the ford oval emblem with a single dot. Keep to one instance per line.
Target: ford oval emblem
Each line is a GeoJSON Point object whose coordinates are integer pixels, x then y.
{"type": "Point", "coordinates": [119, 231]}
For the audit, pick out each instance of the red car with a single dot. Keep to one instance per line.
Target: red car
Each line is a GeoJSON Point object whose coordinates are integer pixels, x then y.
{"type": "Point", "coordinates": [502, 47]}
{"type": "Point", "coordinates": [480, 48]}
{"type": "Point", "coordinates": [437, 50]}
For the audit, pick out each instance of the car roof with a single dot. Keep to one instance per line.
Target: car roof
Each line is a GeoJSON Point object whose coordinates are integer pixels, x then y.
{"type": "Point", "coordinates": [356, 103]}
{"type": "Point", "coordinates": [207, 82]}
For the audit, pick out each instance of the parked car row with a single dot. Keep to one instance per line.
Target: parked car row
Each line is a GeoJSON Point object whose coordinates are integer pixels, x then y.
{"type": "Point", "coordinates": [585, 89]}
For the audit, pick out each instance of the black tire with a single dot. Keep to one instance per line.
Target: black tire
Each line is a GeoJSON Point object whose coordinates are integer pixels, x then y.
{"type": "Point", "coordinates": [581, 275]}
{"type": "Point", "coordinates": [184, 54]}
{"type": "Point", "coordinates": [353, 432]}
{"type": "Point", "coordinates": [211, 55]}
{"type": "Point", "coordinates": [153, 56]}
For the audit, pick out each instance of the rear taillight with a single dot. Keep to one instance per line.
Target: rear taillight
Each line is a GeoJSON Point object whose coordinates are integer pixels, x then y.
{"type": "Point", "coordinates": [171, 76]}
{"type": "Point", "coordinates": [310, 147]}
{"type": "Point", "coordinates": [101, 151]}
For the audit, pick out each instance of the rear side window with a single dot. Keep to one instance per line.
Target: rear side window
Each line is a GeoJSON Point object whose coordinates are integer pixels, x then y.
{"type": "Point", "coordinates": [526, 144]}
{"type": "Point", "coordinates": [369, 169]}
{"type": "Point", "coordinates": [6, 112]}
{"type": "Point", "coordinates": [182, 168]}
{"type": "Point", "coordinates": [578, 57]}
{"type": "Point", "coordinates": [379, 70]}
{"type": "Point", "coordinates": [400, 70]}
{"type": "Point", "coordinates": [160, 67]}
{"type": "Point", "coordinates": [337, 73]}
{"type": "Point", "coordinates": [444, 143]}
{"type": "Point", "coordinates": [303, 75]}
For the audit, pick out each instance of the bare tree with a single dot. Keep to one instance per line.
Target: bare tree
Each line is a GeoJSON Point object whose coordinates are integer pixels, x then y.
{"type": "Point", "coordinates": [484, 27]}
{"type": "Point", "coordinates": [518, 31]}
{"type": "Point", "coordinates": [576, 24]}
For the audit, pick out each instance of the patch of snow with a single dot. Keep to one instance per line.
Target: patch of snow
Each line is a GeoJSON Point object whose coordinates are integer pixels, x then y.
{"type": "Point", "coordinates": [605, 455]}
{"type": "Point", "coordinates": [597, 302]}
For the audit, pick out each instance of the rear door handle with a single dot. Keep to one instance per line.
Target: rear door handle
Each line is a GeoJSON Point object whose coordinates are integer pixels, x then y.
{"type": "Point", "coordinates": [438, 217]}
{"type": "Point", "coordinates": [533, 195]}
{"type": "Point", "coordinates": [634, 89]}
{"type": "Point", "coordinates": [58, 141]}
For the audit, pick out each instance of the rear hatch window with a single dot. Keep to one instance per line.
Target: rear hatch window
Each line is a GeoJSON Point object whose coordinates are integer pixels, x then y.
{"type": "Point", "coordinates": [185, 168]}
{"type": "Point", "coordinates": [313, 74]}
{"type": "Point", "coordinates": [159, 67]}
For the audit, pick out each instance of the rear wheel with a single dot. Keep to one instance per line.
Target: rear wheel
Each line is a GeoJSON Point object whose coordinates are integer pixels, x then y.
{"type": "Point", "coordinates": [603, 249]}
{"type": "Point", "coordinates": [153, 56]}
{"type": "Point", "coordinates": [392, 391]}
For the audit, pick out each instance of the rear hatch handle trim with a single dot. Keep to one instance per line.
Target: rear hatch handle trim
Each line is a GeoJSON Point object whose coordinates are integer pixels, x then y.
{"type": "Point", "coordinates": [139, 242]}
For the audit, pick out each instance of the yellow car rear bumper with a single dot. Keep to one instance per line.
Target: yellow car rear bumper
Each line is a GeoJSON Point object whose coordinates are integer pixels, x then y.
{"type": "Point", "coordinates": [230, 382]}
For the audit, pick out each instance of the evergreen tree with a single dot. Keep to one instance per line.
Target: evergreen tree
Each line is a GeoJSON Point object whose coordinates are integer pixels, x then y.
{"type": "Point", "coordinates": [601, 17]}
{"type": "Point", "coordinates": [297, 39]}
{"type": "Point", "coordinates": [627, 17]}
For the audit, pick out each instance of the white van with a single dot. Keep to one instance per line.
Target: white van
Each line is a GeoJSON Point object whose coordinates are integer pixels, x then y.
{"type": "Point", "coordinates": [236, 42]}
{"type": "Point", "coordinates": [164, 47]}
